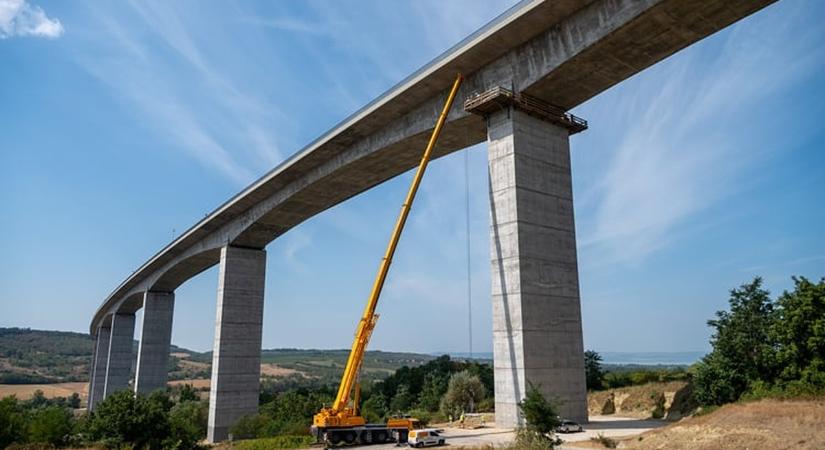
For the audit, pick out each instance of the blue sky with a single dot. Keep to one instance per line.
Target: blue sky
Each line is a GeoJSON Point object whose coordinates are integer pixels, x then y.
{"type": "Point", "coordinates": [123, 123]}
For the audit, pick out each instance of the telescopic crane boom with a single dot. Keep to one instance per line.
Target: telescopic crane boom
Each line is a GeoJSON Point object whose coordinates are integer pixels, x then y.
{"type": "Point", "coordinates": [344, 414]}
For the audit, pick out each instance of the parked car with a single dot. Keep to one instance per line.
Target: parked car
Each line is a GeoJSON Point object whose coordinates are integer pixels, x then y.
{"type": "Point", "coordinates": [425, 438]}
{"type": "Point", "coordinates": [568, 426]}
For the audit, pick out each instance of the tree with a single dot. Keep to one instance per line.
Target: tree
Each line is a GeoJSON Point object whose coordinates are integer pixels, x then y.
{"type": "Point", "coordinates": [188, 394]}
{"type": "Point", "coordinates": [374, 409]}
{"type": "Point", "coordinates": [541, 416]}
{"type": "Point", "coordinates": [463, 392]}
{"type": "Point", "coordinates": [187, 425]}
{"type": "Point", "coordinates": [50, 425]}
{"type": "Point", "coordinates": [435, 386]}
{"type": "Point", "coordinates": [743, 347]}
{"type": "Point", "coordinates": [403, 399]}
{"type": "Point", "coordinates": [594, 374]}
{"type": "Point", "coordinates": [12, 421]}
{"type": "Point", "coordinates": [123, 418]}
{"type": "Point", "coordinates": [542, 420]}
{"type": "Point", "coordinates": [799, 330]}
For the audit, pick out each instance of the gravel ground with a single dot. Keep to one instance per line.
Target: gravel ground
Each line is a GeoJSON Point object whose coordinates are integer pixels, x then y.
{"type": "Point", "coordinates": [607, 425]}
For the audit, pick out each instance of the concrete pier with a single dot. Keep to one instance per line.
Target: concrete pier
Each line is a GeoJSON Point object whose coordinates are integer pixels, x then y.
{"type": "Point", "coordinates": [537, 334]}
{"type": "Point", "coordinates": [236, 362]}
{"type": "Point", "coordinates": [119, 367]}
{"type": "Point", "coordinates": [155, 340]}
{"type": "Point", "coordinates": [97, 376]}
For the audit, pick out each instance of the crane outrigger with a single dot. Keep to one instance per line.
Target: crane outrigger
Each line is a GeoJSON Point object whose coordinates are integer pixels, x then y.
{"type": "Point", "coordinates": [342, 422]}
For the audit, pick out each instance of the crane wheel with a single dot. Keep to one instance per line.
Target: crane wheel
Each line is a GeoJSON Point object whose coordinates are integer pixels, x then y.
{"type": "Point", "coordinates": [350, 437]}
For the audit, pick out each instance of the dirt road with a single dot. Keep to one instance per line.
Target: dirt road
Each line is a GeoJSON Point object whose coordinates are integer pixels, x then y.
{"type": "Point", "coordinates": [607, 425]}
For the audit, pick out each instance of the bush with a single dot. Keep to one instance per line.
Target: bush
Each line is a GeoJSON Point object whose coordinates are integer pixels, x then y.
{"type": "Point", "coordinates": [539, 413]}
{"type": "Point", "coordinates": [50, 425]}
{"type": "Point", "coordinates": [123, 418]}
{"type": "Point", "coordinates": [12, 421]}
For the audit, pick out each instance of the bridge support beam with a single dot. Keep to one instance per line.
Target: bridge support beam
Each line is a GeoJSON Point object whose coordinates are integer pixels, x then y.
{"type": "Point", "coordinates": [537, 333]}
{"type": "Point", "coordinates": [236, 360]}
{"type": "Point", "coordinates": [155, 340]}
{"type": "Point", "coordinates": [121, 356]}
{"type": "Point", "coordinates": [97, 376]}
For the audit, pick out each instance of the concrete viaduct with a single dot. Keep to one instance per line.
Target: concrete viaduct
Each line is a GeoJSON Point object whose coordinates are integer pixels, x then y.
{"type": "Point", "coordinates": [555, 53]}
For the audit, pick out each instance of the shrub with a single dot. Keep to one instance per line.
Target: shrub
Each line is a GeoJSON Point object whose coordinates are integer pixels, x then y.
{"type": "Point", "coordinates": [50, 425]}
{"type": "Point", "coordinates": [539, 413]}
{"type": "Point", "coordinates": [606, 441]}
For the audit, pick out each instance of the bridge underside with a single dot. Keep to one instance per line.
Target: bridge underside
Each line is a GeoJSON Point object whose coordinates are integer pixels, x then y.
{"type": "Point", "coordinates": [561, 52]}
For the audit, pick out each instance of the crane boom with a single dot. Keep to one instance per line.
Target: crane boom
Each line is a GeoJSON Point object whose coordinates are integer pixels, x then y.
{"type": "Point", "coordinates": [340, 412]}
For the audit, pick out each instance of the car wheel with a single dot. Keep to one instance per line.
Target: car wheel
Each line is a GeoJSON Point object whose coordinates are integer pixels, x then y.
{"type": "Point", "coordinates": [419, 445]}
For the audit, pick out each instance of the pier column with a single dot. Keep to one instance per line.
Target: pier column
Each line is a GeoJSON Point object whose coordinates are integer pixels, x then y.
{"type": "Point", "coordinates": [236, 360]}
{"type": "Point", "coordinates": [97, 376]}
{"type": "Point", "coordinates": [155, 340]}
{"type": "Point", "coordinates": [537, 332]}
{"type": "Point", "coordinates": [120, 354]}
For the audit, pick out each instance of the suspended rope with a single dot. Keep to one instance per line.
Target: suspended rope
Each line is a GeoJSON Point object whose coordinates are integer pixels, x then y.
{"type": "Point", "coordinates": [469, 270]}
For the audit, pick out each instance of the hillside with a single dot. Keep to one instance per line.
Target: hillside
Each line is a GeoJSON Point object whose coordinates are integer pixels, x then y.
{"type": "Point", "coordinates": [766, 424]}
{"type": "Point", "coordinates": [38, 356]}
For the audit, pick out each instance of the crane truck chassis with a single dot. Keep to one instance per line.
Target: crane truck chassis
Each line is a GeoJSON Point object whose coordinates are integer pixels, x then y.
{"type": "Point", "coordinates": [342, 422]}
{"type": "Point", "coordinates": [395, 430]}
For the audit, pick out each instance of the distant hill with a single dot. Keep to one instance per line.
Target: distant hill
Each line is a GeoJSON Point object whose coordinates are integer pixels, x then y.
{"type": "Point", "coordinates": [38, 356]}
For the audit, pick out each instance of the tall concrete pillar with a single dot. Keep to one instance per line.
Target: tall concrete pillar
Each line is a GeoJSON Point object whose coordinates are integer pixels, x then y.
{"type": "Point", "coordinates": [537, 333]}
{"type": "Point", "coordinates": [155, 340]}
{"type": "Point", "coordinates": [97, 376]}
{"type": "Point", "coordinates": [236, 360]}
{"type": "Point", "coordinates": [120, 353]}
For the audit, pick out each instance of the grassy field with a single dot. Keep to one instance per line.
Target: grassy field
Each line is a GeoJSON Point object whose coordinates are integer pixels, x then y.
{"type": "Point", "coordinates": [26, 391]}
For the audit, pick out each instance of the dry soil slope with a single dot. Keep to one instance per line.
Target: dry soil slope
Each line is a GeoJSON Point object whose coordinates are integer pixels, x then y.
{"type": "Point", "coordinates": [765, 424]}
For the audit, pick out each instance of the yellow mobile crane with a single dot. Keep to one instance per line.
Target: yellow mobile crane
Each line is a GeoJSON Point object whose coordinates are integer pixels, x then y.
{"type": "Point", "coordinates": [342, 422]}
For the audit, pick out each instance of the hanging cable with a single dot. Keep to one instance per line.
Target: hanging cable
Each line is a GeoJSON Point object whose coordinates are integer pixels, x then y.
{"type": "Point", "coordinates": [469, 270]}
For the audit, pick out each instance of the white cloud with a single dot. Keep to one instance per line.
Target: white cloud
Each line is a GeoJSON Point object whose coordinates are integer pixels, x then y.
{"type": "Point", "coordinates": [676, 152]}
{"type": "Point", "coordinates": [18, 18]}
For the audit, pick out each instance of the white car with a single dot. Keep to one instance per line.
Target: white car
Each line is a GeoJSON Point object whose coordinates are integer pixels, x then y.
{"type": "Point", "coordinates": [568, 426]}
{"type": "Point", "coordinates": [425, 438]}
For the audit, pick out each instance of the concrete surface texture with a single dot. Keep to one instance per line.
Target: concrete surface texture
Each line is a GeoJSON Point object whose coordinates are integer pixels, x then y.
{"type": "Point", "coordinates": [119, 367]}
{"type": "Point", "coordinates": [561, 52]}
{"type": "Point", "coordinates": [101, 358]}
{"type": "Point", "coordinates": [155, 341]}
{"type": "Point", "coordinates": [236, 362]}
{"type": "Point", "coordinates": [537, 337]}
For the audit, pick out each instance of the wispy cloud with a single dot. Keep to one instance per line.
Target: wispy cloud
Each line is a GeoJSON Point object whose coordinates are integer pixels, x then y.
{"type": "Point", "coordinates": [677, 154]}
{"type": "Point", "coordinates": [19, 18]}
{"type": "Point", "coordinates": [157, 58]}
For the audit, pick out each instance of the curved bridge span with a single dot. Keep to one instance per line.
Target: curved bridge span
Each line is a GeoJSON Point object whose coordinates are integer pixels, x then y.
{"type": "Point", "coordinates": [557, 53]}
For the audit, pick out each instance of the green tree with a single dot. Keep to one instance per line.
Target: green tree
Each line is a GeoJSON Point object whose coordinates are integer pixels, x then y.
{"type": "Point", "coordinates": [50, 425]}
{"type": "Point", "coordinates": [744, 351]}
{"type": "Point", "coordinates": [188, 394]}
{"type": "Point", "coordinates": [374, 409]}
{"type": "Point", "coordinates": [123, 418]}
{"type": "Point", "coordinates": [594, 374]}
{"type": "Point", "coordinates": [12, 421]}
{"type": "Point", "coordinates": [799, 330]}
{"type": "Point", "coordinates": [539, 413]}
{"type": "Point", "coordinates": [463, 392]}
{"type": "Point", "coordinates": [403, 399]}
{"type": "Point", "coordinates": [435, 386]}
{"type": "Point", "coordinates": [187, 425]}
